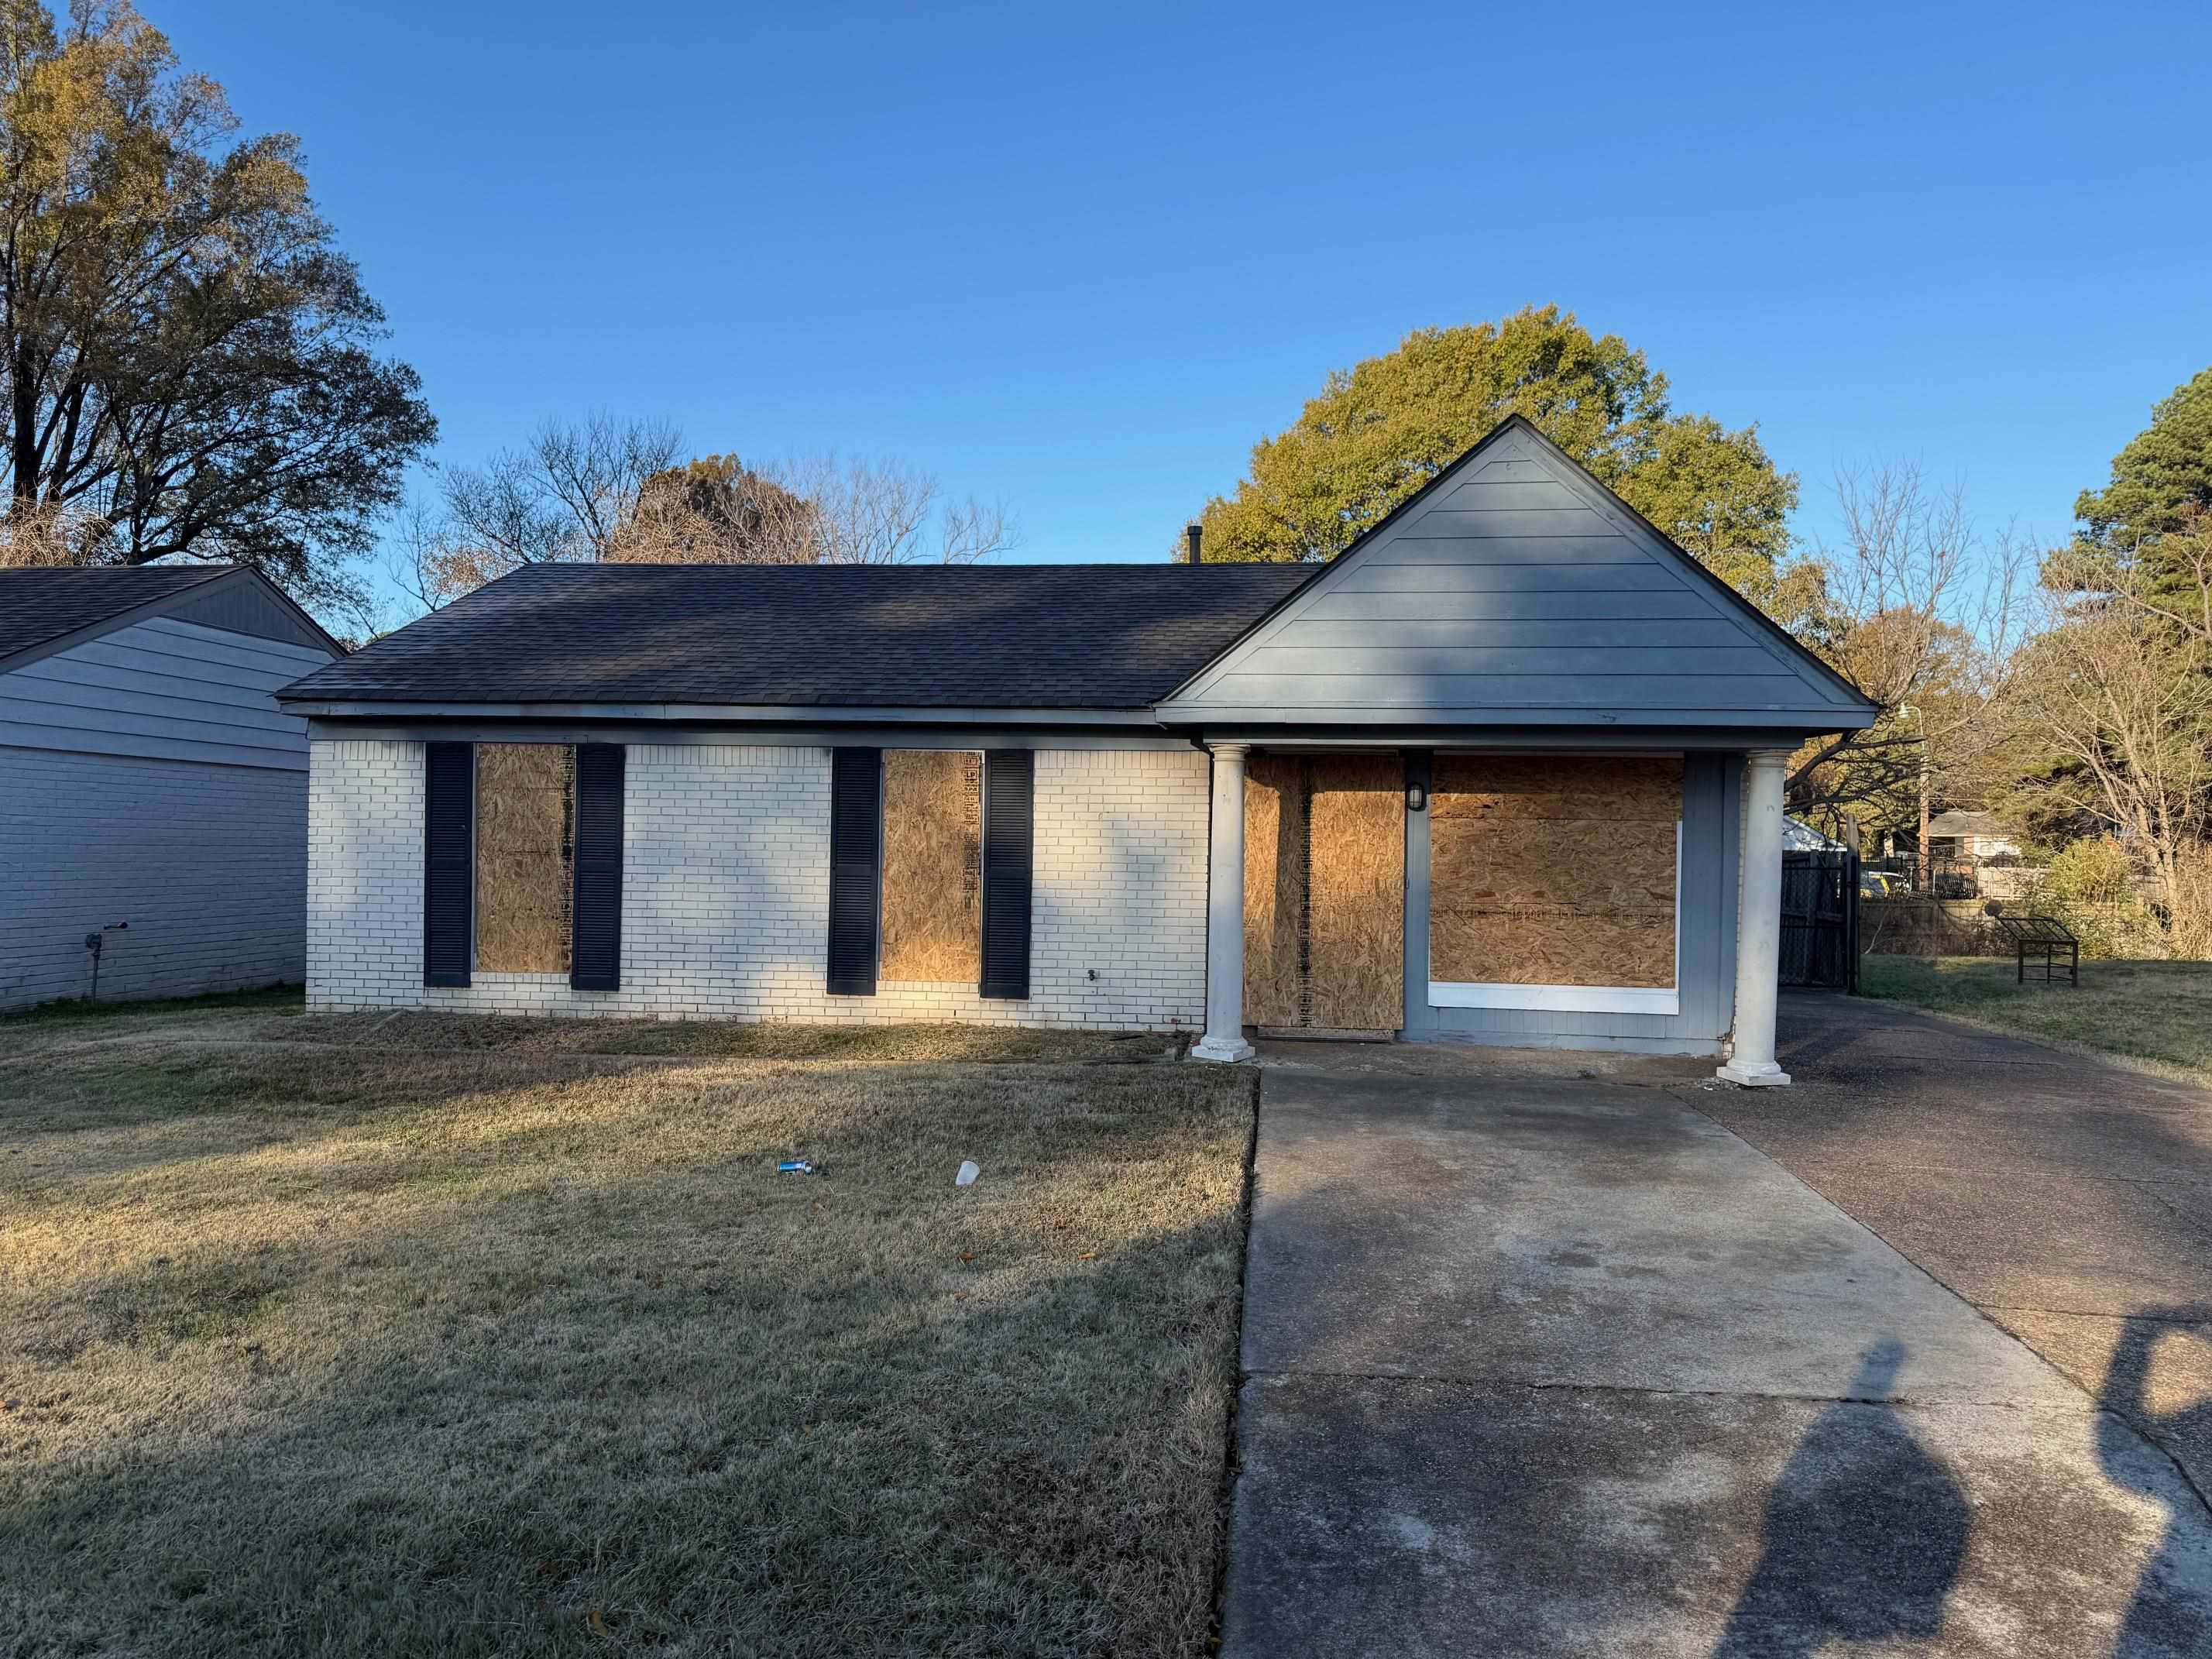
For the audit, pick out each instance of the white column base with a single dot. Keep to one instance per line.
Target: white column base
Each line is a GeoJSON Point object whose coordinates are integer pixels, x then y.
{"type": "Point", "coordinates": [1227, 1051]}
{"type": "Point", "coordinates": [1753, 1074]}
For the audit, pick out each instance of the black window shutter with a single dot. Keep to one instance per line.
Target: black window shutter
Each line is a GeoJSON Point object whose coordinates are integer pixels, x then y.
{"type": "Point", "coordinates": [1009, 826]}
{"type": "Point", "coordinates": [856, 829]}
{"type": "Point", "coordinates": [595, 924]}
{"type": "Point", "coordinates": [449, 776]}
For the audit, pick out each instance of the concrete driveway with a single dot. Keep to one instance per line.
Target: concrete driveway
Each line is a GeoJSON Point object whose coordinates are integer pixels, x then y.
{"type": "Point", "coordinates": [1541, 1364]}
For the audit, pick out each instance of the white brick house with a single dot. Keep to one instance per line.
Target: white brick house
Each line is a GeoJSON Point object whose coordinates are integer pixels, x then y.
{"type": "Point", "coordinates": [1019, 794]}
{"type": "Point", "coordinates": [716, 831]}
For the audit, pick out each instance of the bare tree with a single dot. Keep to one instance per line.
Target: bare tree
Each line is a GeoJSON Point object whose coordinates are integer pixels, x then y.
{"type": "Point", "coordinates": [888, 512]}
{"type": "Point", "coordinates": [1920, 613]}
{"type": "Point", "coordinates": [604, 490]}
{"type": "Point", "coordinates": [564, 496]}
{"type": "Point", "coordinates": [2118, 686]}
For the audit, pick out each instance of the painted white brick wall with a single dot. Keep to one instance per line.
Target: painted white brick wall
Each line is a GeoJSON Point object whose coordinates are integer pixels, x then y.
{"type": "Point", "coordinates": [725, 893]}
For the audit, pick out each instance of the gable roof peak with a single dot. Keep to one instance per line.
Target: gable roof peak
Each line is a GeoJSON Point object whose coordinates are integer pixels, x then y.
{"type": "Point", "coordinates": [1521, 591]}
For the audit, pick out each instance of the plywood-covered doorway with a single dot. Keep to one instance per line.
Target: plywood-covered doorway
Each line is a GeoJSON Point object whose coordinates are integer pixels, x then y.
{"type": "Point", "coordinates": [1325, 892]}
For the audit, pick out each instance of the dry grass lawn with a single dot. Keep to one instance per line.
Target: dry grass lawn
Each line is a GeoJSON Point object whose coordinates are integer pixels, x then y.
{"type": "Point", "coordinates": [345, 1336]}
{"type": "Point", "coordinates": [2159, 1012]}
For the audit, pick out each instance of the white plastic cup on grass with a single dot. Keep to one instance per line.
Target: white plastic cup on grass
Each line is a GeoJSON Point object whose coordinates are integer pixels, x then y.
{"type": "Point", "coordinates": [967, 1175]}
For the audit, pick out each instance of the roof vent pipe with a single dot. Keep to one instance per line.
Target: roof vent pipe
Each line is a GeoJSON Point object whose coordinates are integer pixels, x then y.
{"type": "Point", "coordinates": [1191, 533]}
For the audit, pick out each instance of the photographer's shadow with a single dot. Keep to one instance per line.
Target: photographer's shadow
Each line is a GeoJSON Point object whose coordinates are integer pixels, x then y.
{"type": "Point", "coordinates": [2164, 1618]}
{"type": "Point", "coordinates": [1865, 1529]}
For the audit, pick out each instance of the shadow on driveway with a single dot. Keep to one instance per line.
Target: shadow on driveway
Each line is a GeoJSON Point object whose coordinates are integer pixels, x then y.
{"type": "Point", "coordinates": [1542, 1365]}
{"type": "Point", "coordinates": [1865, 1529]}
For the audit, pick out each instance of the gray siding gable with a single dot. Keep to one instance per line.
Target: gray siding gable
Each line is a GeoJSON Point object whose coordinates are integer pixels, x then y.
{"type": "Point", "coordinates": [46, 619]}
{"type": "Point", "coordinates": [163, 688]}
{"type": "Point", "coordinates": [246, 603]}
{"type": "Point", "coordinates": [1515, 589]}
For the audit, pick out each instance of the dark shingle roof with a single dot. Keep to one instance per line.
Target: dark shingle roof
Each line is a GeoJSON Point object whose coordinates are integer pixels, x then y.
{"type": "Point", "coordinates": [915, 636]}
{"type": "Point", "coordinates": [40, 603]}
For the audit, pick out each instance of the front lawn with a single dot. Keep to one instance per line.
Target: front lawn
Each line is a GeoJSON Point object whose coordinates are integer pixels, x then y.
{"type": "Point", "coordinates": [2156, 1011]}
{"type": "Point", "coordinates": [75, 1010]}
{"type": "Point", "coordinates": [314, 1339]}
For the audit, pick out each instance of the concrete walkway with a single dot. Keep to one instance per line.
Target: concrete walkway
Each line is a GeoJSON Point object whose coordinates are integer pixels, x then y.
{"type": "Point", "coordinates": [1539, 1364]}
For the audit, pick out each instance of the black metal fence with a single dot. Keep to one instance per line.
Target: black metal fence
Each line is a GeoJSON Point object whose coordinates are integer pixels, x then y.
{"type": "Point", "coordinates": [1821, 920]}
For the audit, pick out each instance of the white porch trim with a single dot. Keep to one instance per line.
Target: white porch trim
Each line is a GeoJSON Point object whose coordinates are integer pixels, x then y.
{"type": "Point", "coordinates": [1558, 999]}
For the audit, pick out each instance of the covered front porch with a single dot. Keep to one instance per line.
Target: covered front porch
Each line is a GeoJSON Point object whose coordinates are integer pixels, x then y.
{"type": "Point", "coordinates": [1622, 898]}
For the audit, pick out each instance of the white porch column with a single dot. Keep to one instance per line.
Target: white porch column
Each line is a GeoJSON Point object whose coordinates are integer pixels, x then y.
{"type": "Point", "coordinates": [1758, 923]}
{"type": "Point", "coordinates": [1225, 913]}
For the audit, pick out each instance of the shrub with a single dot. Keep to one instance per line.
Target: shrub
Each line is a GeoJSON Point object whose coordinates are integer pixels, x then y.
{"type": "Point", "coordinates": [2090, 885]}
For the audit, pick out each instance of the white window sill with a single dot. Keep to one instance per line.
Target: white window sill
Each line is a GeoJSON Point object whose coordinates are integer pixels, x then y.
{"type": "Point", "coordinates": [1558, 999]}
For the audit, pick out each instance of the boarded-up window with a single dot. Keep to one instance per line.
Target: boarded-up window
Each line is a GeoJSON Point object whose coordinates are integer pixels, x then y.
{"type": "Point", "coordinates": [1553, 870]}
{"type": "Point", "coordinates": [933, 865]}
{"type": "Point", "coordinates": [1324, 891]}
{"type": "Point", "coordinates": [525, 851]}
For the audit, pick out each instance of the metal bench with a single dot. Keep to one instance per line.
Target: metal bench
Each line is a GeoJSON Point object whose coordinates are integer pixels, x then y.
{"type": "Point", "coordinates": [2046, 939]}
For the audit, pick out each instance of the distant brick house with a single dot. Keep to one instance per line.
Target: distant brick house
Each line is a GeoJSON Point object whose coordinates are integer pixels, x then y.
{"type": "Point", "coordinates": [1509, 770]}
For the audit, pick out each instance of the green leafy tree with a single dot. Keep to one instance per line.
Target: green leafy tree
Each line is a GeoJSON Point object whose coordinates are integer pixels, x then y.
{"type": "Point", "coordinates": [2162, 484]}
{"type": "Point", "coordinates": [1383, 428]}
{"type": "Point", "coordinates": [188, 365]}
{"type": "Point", "coordinates": [2165, 470]}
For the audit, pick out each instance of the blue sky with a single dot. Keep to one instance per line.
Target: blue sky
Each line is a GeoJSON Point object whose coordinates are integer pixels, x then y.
{"type": "Point", "coordinates": [1079, 259]}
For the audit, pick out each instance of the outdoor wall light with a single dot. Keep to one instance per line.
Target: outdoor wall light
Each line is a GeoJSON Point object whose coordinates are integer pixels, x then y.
{"type": "Point", "coordinates": [1417, 797]}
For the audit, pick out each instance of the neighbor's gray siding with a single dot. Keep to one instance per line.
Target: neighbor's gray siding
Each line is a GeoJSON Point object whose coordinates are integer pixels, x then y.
{"type": "Point", "coordinates": [147, 776]}
{"type": "Point", "coordinates": [208, 863]}
{"type": "Point", "coordinates": [163, 690]}
{"type": "Point", "coordinates": [1706, 970]}
{"type": "Point", "coordinates": [239, 604]}
{"type": "Point", "coordinates": [1516, 595]}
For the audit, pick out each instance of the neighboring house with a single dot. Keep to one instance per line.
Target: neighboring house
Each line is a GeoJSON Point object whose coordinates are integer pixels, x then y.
{"type": "Point", "coordinates": [152, 792]}
{"type": "Point", "coordinates": [1508, 770]}
{"type": "Point", "coordinates": [1959, 835]}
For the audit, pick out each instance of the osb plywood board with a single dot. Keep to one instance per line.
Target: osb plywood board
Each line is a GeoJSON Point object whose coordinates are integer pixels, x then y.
{"type": "Point", "coordinates": [932, 897]}
{"type": "Point", "coordinates": [525, 800]}
{"type": "Point", "coordinates": [1549, 871]}
{"type": "Point", "coordinates": [1324, 892]}
{"type": "Point", "coordinates": [1594, 866]}
{"type": "Point", "coordinates": [1274, 890]}
{"type": "Point", "coordinates": [1492, 786]}
{"type": "Point", "coordinates": [1497, 947]}
{"type": "Point", "coordinates": [1356, 951]}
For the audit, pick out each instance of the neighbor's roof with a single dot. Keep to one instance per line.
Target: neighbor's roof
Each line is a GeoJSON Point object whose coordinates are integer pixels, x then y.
{"type": "Point", "coordinates": [42, 604]}
{"type": "Point", "coordinates": [854, 636]}
{"type": "Point", "coordinates": [1799, 837]}
{"type": "Point", "coordinates": [1957, 822]}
